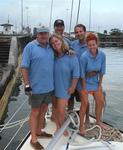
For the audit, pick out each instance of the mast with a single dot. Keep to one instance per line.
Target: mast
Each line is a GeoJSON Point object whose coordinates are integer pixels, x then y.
{"type": "Point", "coordinates": [51, 10]}
{"type": "Point", "coordinates": [22, 15]}
{"type": "Point", "coordinates": [71, 17]}
{"type": "Point", "coordinates": [90, 16]}
{"type": "Point", "coordinates": [78, 12]}
{"type": "Point", "coordinates": [27, 15]}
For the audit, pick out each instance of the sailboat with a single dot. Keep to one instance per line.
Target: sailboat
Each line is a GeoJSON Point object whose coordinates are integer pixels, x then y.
{"type": "Point", "coordinates": [96, 138]}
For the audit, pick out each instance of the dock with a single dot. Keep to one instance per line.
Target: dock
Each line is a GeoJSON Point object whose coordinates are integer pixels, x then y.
{"type": "Point", "coordinates": [10, 60]}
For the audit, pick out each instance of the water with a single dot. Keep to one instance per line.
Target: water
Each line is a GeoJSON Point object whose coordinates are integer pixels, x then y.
{"type": "Point", "coordinates": [17, 109]}
{"type": "Point", "coordinates": [113, 79]}
{"type": "Point", "coordinates": [113, 85]}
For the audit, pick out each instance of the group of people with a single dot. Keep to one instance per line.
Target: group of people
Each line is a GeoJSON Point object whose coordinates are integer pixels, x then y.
{"type": "Point", "coordinates": [56, 70]}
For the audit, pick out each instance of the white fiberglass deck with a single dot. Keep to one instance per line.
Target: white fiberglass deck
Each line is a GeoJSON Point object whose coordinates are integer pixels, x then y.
{"type": "Point", "coordinates": [79, 144]}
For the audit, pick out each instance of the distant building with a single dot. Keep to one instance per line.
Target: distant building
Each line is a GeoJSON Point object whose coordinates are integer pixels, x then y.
{"type": "Point", "coordinates": [7, 28]}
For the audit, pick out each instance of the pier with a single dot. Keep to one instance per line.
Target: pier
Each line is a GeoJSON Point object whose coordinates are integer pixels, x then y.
{"type": "Point", "coordinates": [111, 41]}
{"type": "Point", "coordinates": [10, 57]}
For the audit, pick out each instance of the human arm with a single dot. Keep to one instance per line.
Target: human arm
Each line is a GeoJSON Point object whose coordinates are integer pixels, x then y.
{"type": "Point", "coordinates": [71, 52]}
{"type": "Point", "coordinates": [73, 86]}
{"type": "Point", "coordinates": [83, 65]}
{"type": "Point", "coordinates": [102, 70]}
{"type": "Point", "coordinates": [25, 69]}
{"type": "Point", "coordinates": [28, 89]}
{"type": "Point", "coordinates": [75, 69]}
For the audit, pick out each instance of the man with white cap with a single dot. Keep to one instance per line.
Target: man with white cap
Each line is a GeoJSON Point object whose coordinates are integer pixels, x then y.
{"type": "Point", "coordinates": [37, 70]}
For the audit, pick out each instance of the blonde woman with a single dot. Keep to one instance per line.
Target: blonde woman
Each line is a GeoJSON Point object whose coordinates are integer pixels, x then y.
{"type": "Point", "coordinates": [66, 74]}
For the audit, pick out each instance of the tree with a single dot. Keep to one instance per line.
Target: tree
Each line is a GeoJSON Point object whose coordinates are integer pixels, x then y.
{"type": "Point", "coordinates": [105, 32]}
{"type": "Point", "coordinates": [116, 32]}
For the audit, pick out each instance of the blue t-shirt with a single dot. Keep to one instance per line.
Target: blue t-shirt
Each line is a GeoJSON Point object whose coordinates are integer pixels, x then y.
{"type": "Point", "coordinates": [79, 49]}
{"type": "Point", "coordinates": [40, 63]}
{"type": "Point", "coordinates": [66, 68]}
{"type": "Point", "coordinates": [67, 41]}
{"type": "Point", "coordinates": [89, 63]}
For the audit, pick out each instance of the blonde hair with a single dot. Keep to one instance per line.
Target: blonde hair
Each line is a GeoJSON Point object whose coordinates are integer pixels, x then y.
{"type": "Point", "coordinates": [64, 47]}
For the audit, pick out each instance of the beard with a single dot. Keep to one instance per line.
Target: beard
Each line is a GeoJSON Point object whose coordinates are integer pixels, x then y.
{"type": "Point", "coordinates": [81, 37]}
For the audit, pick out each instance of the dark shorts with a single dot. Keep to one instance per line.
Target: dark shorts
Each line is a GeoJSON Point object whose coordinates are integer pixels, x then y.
{"type": "Point", "coordinates": [36, 100]}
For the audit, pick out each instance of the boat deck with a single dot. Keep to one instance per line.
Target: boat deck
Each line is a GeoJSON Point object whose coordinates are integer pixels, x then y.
{"type": "Point", "coordinates": [80, 142]}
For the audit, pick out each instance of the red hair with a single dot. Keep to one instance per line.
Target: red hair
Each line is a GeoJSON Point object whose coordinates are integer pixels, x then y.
{"type": "Point", "coordinates": [92, 36]}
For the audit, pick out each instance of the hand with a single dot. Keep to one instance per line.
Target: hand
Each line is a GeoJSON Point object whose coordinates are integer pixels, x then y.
{"type": "Point", "coordinates": [28, 90]}
{"type": "Point", "coordinates": [91, 74]}
{"type": "Point", "coordinates": [71, 90]}
{"type": "Point", "coordinates": [71, 52]}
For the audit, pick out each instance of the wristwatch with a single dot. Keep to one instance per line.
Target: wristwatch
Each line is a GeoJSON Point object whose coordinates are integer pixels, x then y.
{"type": "Point", "coordinates": [26, 86]}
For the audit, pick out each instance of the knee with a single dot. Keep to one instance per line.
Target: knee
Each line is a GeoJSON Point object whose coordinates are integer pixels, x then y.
{"type": "Point", "coordinates": [35, 112]}
{"type": "Point", "coordinates": [84, 101]}
{"type": "Point", "coordinates": [44, 108]}
{"type": "Point", "coordinates": [61, 111]}
{"type": "Point", "coordinates": [100, 102]}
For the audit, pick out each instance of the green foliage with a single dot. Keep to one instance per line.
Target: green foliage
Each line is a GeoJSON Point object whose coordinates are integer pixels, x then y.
{"type": "Point", "coordinates": [105, 32]}
{"type": "Point", "coordinates": [116, 32]}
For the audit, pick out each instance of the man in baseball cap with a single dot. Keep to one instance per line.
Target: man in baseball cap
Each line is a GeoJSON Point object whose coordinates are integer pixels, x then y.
{"type": "Point", "coordinates": [58, 22]}
{"type": "Point", "coordinates": [42, 34]}
{"type": "Point", "coordinates": [59, 26]}
{"type": "Point", "coordinates": [42, 29]}
{"type": "Point", "coordinates": [37, 69]}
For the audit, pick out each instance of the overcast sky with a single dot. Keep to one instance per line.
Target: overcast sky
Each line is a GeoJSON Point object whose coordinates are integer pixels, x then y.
{"type": "Point", "coordinates": [105, 14]}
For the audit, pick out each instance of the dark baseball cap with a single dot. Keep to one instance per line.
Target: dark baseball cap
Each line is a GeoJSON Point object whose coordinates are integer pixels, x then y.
{"type": "Point", "coordinates": [58, 22]}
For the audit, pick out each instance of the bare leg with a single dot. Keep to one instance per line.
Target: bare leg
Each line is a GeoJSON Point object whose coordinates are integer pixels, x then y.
{"type": "Point", "coordinates": [87, 120]}
{"type": "Point", "coordinates": [54, 106]}
{"type": "Point", "coordinates": [62, 112]}
{"type": "Point", "coordinates": [55, 112]}
{"type": "Point", "coordinates": [34, 115]}
{"type": "Point", "coordinates": [41, 119]}
{"type": "Point", "coordinates": [83, 108]}
{"type": "Point", "coordinates": [99, 101]}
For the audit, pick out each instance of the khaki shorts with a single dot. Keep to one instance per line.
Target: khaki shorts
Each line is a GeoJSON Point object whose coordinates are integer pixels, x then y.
{"type": "Point", "coordinates": [36, 100]}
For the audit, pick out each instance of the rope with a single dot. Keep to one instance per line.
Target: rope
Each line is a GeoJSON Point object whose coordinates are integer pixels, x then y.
{"type": "Point", "coordinates": [14, 135]}
{"type": "Point", "coordinates": [100, 131]}
{"type": "Point", "coordinates": [110, 135]}
{"type": "Point", "coordinates": [12, 116]}
{"type": "Point", "coordinates": [13, 124]}
{"type": "Point", "coordinates": [71, 142]}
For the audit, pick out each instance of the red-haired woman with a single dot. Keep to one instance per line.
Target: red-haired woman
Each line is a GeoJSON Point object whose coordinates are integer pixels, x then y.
{"type": "Point", "coordinates": [93, 66]}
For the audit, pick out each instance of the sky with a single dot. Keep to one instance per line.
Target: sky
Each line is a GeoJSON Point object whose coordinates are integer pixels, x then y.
{"type": "Point", "coordinates": [105, 14]}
